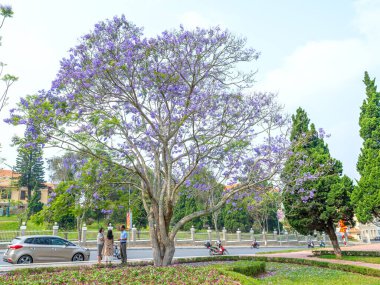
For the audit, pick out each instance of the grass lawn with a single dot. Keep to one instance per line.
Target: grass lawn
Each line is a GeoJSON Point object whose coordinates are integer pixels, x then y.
{"type": "Point", "coordinates": [286, 274]}
{"type": "Point", "coordinates": [369, 259]}
{"type": "Point", "coordinates": [277, 274]}
{"type": "Point", "coordinates": [11, 224]}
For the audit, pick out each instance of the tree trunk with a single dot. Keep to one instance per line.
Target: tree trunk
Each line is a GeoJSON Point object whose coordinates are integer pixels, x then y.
{"type": "Point", "coordinates": [163, 254]}
{"type": "Point", "coordinates": [29, 193]}
{"type": "Point", "coordinates": [162, 242]}
{"type": "Point", "coordinates": [215, 218]}
{"type": "Point", "coordinates": [163, 247]}
{"type": "Point", "coordinates": [334, 240]}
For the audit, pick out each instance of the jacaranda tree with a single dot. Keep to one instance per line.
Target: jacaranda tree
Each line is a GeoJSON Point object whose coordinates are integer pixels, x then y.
{"type": "Point", "coordinates": [162, 108]}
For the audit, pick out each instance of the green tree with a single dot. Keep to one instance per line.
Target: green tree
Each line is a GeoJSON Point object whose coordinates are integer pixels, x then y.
{"type": "Point", "coordinates": [320, 196]}
{"type": "Point", "coordinates": [91, 188]}
{"type": "Point", "coordinates": [35, 205]}
{"type": "Point", "coordinates": [123, 197]}
{"type": "Point", "coordinates": [235, 216]}
{"type": "Point", "coordinates": [366, 195]}
{"type": "Point", "coordinates": [192, 200]}
{"type": "Point", "coordinates": [263, 207]}
{"type": "Point", "coordinates": [30, 165]}
{"type": "Point", "coordinates": [59, 209]}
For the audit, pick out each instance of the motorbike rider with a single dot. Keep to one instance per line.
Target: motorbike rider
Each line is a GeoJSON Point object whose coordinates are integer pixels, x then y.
{"type": "Point", "coordinates": [207, 244]}
{"type": "Point", "coordinates": [255, 244]}
{"type": "Point", "coordinates": [310, 244]}
{"type": "Point", "coordinates": [219, 245]}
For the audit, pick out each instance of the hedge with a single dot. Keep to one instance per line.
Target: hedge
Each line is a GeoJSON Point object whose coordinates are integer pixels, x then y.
{"type": "Point", "coordinates": [343, 267]}
{"type": "Point", "coordinates": [309, 262]}
{"type": "Point", "coordinates": [251, 269]}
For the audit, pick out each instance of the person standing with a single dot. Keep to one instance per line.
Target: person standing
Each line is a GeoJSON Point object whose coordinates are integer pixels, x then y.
{"type": "Point", "coordinates": [100, 244]}
{"type": "Point", "coordinates": [108, 247]}
{"type": "Point", "coordinates": [123, 244]}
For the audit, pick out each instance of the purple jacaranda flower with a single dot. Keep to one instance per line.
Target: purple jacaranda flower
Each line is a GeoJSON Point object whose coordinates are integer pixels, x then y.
{"type": "Point", "coordinates": [68, 190]}
{"type": "Point", "coordinates": [96, 196]}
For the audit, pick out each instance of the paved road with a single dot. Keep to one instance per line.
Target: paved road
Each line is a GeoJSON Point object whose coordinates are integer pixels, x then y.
{"type": "Point", "coordinates": [146, 253]}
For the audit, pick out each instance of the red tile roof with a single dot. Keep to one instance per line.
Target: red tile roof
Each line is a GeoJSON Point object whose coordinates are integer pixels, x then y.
{"type": "Point", "coordinates": [5, 173]}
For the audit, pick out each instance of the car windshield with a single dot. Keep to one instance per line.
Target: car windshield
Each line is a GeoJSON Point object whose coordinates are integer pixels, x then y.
{"type": "Point", "coordinates": [15, 240]}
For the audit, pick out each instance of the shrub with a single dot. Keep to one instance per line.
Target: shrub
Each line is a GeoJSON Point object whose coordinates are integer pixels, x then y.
{"type": "Point", "coordinates": [251, 269]}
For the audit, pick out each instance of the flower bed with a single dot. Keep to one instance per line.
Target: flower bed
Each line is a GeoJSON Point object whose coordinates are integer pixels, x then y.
{"type": "Point", "coordinates": [347, 253]}
{"type": "Point", "coordinates": [203, 270]}
{"type": "Point", "coordinates": [119, 275]}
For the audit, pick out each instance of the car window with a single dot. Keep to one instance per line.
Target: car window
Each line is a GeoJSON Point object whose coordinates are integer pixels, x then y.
{"type": "Point", "coordinates": [29, 240]}
{"type": "Point", "coordinates": [42, 241]}
{"type": "Point", "coordinates": [15, 240]}
{"type": "Point", "coordinates": [58, 241]}
{"type": "Point", "coordinates": [70, 243]}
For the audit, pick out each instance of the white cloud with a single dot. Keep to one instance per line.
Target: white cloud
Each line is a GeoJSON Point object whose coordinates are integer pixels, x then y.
{"type": "Point", "coordinates": [325, 78]}
{"type": "Point", "coordinates": [317, 71]}
{"type": "Point", "coordinates": [367, 18]}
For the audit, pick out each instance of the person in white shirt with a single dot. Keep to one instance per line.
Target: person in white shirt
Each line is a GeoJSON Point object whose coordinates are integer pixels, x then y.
{"type": "Point", "coordinates": [100, 244]}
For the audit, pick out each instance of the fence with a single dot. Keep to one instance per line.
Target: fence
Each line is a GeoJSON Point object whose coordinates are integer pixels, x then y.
{"type": "Point", "coordinates": [192, 237]}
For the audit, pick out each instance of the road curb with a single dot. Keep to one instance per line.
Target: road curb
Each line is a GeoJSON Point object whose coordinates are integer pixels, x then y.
{"type": "Point", "coordinates": [190, 247]}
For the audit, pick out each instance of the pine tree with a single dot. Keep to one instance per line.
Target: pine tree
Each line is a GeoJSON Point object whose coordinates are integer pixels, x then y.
{"type": "Point", "coordinates": [323, 198]}
{"type": "Point", "coordinates": [366, 195]}
{"type": "Point", "coordinates": [29, 164]}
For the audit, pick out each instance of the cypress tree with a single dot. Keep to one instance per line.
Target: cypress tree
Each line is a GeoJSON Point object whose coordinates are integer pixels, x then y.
{"type": "Point", "coordinates": [317, 196]}
{"type": "Point", "coordinates": [366, 195]}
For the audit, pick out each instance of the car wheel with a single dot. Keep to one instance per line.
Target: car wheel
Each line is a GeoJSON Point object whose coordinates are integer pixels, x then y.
{"type": "Point", "coordinates": [78, 257]}
{"type": "Point", "coordinates": [25, 259]}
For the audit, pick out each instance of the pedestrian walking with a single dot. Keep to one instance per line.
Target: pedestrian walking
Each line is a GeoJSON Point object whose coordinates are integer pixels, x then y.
{"type": "Point", "coordinates": [100, 244]}
{"type": "Point", "coordinates": [123, 244]}
{"type": "Point", "coordinates": [108, 247]}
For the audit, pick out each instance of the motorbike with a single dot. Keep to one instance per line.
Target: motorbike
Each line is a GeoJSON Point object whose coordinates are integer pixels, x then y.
{"type": "Point", "coordinates": [310, 244]}
{"type": "Point", "coordinates": [322, 244]}
{"type": "Point", "coordinates": [218, 249]}
{"type": "Point", "coordinates": [255, 244]}
{"type": "Point", "coordinates": [116, 252]}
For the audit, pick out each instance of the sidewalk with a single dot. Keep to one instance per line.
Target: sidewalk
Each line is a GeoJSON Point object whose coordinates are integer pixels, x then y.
{"type": "Point", "coordinates": [308, 255]}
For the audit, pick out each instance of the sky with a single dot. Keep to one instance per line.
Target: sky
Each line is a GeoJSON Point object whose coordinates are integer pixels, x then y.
{"type": "Point", "coordinates": [313, 53]}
